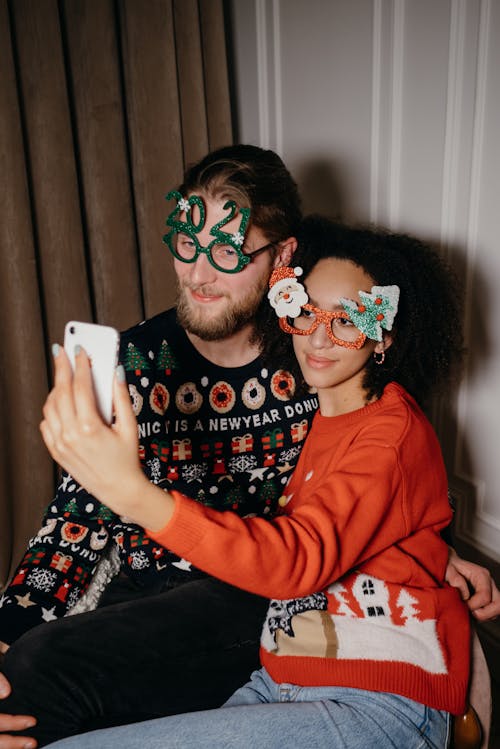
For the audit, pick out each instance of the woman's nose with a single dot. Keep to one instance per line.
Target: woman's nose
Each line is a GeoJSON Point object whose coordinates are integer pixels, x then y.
{"type": "Point", "coordinates": [319, 338]}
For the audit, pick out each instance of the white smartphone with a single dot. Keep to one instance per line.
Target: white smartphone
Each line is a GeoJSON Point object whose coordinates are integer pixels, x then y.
{"type": "Point", "coordinates": [101, 345]}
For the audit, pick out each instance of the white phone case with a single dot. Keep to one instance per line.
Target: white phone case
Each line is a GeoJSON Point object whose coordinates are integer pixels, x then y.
{"type": "Point", "coordinates": [101, 345]}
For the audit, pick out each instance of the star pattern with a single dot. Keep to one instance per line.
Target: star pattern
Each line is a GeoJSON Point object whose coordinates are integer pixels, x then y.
{"type": "Point", "coordinates": [258, 474]}
{"type": "Point", "coordinates": [48, 614]}
{"type": "Point", "coordinates": [284, 468]}
{"type": "Point", "coordinates": [25, 601]}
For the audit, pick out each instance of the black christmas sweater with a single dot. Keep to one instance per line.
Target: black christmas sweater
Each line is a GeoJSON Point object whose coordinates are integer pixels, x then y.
{"type": "Point", "coordinates": [227, 437]}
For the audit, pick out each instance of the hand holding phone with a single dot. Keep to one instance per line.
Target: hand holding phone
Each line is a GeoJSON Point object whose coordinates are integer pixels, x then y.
{"type": "Point", "coordinates": [100, 343]}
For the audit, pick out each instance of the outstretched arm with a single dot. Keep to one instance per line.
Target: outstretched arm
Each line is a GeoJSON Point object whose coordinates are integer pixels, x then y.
{"type": "Point", "coordinates": [302, 552]}
{"type": "Point", "coordinates": [484, 601]}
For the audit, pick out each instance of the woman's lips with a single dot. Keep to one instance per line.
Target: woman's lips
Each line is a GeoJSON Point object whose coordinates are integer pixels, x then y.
{"type": "Point", "coordinates": [318, 362]}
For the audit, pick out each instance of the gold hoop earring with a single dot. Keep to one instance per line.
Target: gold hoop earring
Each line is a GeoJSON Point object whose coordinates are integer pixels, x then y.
{"type": "Point", "coordinates": [379, 357]}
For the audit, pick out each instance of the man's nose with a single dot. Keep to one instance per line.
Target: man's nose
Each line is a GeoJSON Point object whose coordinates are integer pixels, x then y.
{"type": "Point", "coordinates": [202, 271]}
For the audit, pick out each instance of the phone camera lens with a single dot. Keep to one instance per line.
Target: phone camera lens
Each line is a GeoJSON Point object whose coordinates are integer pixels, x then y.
{"type": "Point", "coordinates": [72, 330]}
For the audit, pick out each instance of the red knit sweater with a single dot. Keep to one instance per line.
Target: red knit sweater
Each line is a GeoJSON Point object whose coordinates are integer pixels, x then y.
{"type": "Point", "coordinates": [356, 563]}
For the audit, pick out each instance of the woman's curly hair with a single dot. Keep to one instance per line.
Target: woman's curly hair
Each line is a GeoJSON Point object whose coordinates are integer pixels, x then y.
{"type": "Point", "coordinates": [427, 347]}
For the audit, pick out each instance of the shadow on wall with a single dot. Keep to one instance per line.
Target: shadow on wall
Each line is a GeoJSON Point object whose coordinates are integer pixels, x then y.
{"type": "Point", "coordinates": [322, 188]}
{"type": "Point", "coordinates": [323, 185]}
{"type": "Point", "coordinates": [479, 355]}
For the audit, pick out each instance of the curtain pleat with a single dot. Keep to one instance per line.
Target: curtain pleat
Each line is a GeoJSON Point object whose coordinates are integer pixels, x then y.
{"type": "Point", "coordinates": [101, 143]}
{"type": "Point", "coordinates": [24, 464]}
{"type": "Point", "coordinates": [190, 74]}
{"type": "Point", "coordinates": [51, 161]}
{"type": "Point", "coordinates": [102, 105]}
{"type": "Point", "coordinates": [150, 75]}
{"type": "Point", "coordinates": [215, 65]}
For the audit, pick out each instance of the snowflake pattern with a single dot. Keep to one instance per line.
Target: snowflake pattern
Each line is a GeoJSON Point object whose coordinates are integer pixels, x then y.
{"type": "Point", "coordinates": [242, 463]}
{"type": "Point", "coordinates": [183, 205]}
{"type": "Point", "coordinates": [237, 238]}
{"type": "Point", "coordinates": [154, 470]}
{"type": "Point", "coordinates": [194, 472]}
{"type": "Point", "coordinates": [41, 579]}
{"type": "Point", "coordinates": [73, 597]}
{"type": "Point", "coordinates": [287, 456]}
{"type": "Point", "coordinates": [139, 560]}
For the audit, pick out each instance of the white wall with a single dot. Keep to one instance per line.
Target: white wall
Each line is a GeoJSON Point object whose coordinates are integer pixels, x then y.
{"type": "Point", "coordinates": [389, 110]}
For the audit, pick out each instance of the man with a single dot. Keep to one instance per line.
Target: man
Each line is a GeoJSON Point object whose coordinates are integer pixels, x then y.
{"type": "Point", "coordinates": [218, 419]}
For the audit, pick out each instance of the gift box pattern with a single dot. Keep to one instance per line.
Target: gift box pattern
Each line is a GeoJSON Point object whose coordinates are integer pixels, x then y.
{"type": "Point", "coordinates": [61, 562]}
{"type": "Point", "coordinates": [243, 444]}
{"type": "Point", "coordinates": [272, 439]}
{"type": "Point", "coordinates": [182, 449]}
{"type": "Point", "coordinates": [299, 431]}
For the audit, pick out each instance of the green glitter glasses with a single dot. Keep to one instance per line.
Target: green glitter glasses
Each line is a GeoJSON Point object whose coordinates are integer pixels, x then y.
{"type": "Point", "coordinates": [224, 251]}
{"type": "Point", "coordinates": [223, 257]}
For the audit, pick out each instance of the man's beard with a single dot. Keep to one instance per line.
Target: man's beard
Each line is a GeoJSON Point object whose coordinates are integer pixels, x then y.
{"type": "Point", "coordinates": [235, 317]}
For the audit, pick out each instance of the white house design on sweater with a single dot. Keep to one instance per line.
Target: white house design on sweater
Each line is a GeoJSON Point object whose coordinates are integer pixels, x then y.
{"type": "Point", "coordinates": [364, 626]}
{"type": "Point", "coordinates": [376, 636]}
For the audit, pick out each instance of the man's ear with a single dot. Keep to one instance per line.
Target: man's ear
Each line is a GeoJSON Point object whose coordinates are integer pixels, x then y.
{"type": "Point", "coordinates": [286, 248]}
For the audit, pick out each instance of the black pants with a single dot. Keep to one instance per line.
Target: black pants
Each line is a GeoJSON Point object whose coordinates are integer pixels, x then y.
{"type": "Point", "coordinates": [182, 649]}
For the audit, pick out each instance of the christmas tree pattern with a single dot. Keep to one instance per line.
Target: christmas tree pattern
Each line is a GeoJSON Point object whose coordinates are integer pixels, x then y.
{"type": "Point", "coordinates": [134, 360]}
{"type": "Point", "coordinates": [166, 359]}
{"type": "Point", "coordinates": [71, 508]}
{"type": "Point", "coordinates": [105, 514]}
{"type": "Point", "coordinates": [233, 498]}
{"type": "Point", "coordinates": [207, 499]}
{"type": "Point", "coordinates": [268, 494]}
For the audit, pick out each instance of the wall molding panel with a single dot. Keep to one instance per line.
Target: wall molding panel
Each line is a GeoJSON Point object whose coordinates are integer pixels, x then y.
{"type": "Point", "coordinates": [376, 134]}
{"type": "Point", "coordinates": [389, 112]}
{"type": "Point", "coordinates": [396, 113]}
{"type": "Point", "coordinates": [452, 146]}
{"type": "Point", "coordinates": [473, 524]}
{"type": "Point", "coordinates": [269, 73]}
{"type": "Point", "coordinates": [263, 72]}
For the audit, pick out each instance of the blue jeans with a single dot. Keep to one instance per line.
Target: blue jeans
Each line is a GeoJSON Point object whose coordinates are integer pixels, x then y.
{"type": "Point", "coordinates": [267, 715]}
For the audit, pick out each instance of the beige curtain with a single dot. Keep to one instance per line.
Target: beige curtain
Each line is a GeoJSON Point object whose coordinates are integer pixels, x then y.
{"type": "Point", "coordinates": [102, 104]}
